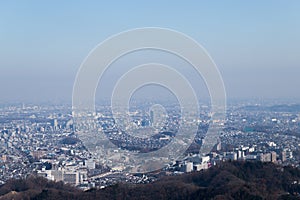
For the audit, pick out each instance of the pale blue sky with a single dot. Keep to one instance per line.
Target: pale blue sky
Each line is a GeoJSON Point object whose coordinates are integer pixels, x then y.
{"type": "Point", "coordinates": [256, 44]}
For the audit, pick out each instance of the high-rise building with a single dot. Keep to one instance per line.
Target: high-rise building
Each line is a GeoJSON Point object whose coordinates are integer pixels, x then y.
{"type": "Point", "coordinates": [4, 158]}
{"type": "Point", "coordinates": [188, 167]}
{"type": "Point", "coordinates": [219, 146]}
{"type": "Point", "coordinates": [232, 156]}
{"type": "Point", "coordinates": [54, 124]}
{"type": "Point", "coordinates": [71, 177]}
{"type": "Point", "coordinates": [90, 164]}
{"type": "Point", "coordinates": [283, 156]}
{"type": "Point", "coordinates": [151, 117]}
{"type": "Point", "coordinates": [264, 157]}
{"type": "Point", "coordinates": [241, 154]}
{"type": "Point", "coordinates": [57, 175]}
{"type": "Point", "coordinates": [273, 156]}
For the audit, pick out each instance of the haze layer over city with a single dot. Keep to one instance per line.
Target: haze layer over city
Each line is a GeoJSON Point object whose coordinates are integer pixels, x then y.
{"type": "Point", "coordinates": [254, 44]}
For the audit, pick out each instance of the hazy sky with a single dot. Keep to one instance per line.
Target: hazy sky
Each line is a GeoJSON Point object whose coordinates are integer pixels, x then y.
{"type": "Point", "coordinates": [255, 44]}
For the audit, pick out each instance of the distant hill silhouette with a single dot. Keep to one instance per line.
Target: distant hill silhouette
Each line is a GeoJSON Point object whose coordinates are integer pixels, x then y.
{"type": "Point", "coordinates": [294, 108]}
{"type": "Point", "coordinates": [230, 180]}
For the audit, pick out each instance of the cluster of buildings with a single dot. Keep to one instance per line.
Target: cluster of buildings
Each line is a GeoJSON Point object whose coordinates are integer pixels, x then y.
{"type": "Point", "coordinates": [42, 140]}
{"type": "Point", "coordinates": [72, 173]}
{"type": "Point", "coordinates": [191, 163]}
{"type": "Point", "coordinates": [244, 153]}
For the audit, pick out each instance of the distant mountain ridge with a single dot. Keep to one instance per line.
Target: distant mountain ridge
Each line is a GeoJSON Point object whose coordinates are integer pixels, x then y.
{"type": "Point", "coordinates": [274, 108]}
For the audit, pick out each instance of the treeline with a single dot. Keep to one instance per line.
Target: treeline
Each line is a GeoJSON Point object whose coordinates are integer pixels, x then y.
{"type": "Point", "coordinates": [229, 180]}
{"type": "Point", "coordinates": [35, 188]}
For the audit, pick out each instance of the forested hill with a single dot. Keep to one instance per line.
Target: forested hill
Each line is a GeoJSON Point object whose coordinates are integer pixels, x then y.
{"type": "Point", "coordinates": [230, 180]}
